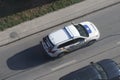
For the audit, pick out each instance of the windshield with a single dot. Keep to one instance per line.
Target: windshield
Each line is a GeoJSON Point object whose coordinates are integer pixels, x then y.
{"type": "Point", "coordinates": [101, 71]}
{"type": "Point", "coordinates": [82, 30]}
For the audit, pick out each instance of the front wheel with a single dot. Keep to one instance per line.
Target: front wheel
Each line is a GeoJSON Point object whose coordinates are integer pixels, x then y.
{"type": "Point", "coordinates": [91, 42]}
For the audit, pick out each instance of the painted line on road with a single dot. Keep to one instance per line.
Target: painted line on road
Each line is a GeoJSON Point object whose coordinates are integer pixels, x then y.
{"type": "Point", "coordinates": [63, 65]}
{"type": "Point", "coordinates": [118, 43]}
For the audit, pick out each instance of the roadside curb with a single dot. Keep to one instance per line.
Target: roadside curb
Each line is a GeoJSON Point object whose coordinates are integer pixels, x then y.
{"type": "Point", "coordinates": [61, 20]}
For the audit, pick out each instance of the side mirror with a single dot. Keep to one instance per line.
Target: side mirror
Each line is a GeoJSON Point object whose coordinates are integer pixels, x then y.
{"type": "Point", "coordinates": [91, 63]}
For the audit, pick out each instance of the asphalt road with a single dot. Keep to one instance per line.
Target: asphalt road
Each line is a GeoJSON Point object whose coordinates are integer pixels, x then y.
{"type": "Point", "coordinates": [25, 60]}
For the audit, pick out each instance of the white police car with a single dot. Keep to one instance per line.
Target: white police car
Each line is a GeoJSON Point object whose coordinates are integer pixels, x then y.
{"type": "Point", "coordinates": [70, 38]}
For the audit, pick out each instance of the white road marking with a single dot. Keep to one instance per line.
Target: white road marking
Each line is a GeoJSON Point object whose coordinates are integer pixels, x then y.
{"type": "Point", "coordinates": [63, 65]}
{"type": "Point", "coordinates": [118, 43]}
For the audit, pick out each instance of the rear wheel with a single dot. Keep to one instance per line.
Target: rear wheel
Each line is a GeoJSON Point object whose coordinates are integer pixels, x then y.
{"type": "Point", "coordinates": [60, 55]}
{"type": "Point", "coordinates": [91, 42]}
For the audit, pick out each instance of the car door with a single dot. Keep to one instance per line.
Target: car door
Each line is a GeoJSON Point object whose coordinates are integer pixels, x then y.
{"type": "Point", "coordinates": [72, 45]}
{"type": "Point", "coordinates": [77, 43]}
{"type": "Point", "coordinates": [65, 47]}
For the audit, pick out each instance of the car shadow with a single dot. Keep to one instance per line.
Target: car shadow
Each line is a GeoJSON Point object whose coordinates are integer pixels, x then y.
{"type": "Point", "coordinates": [9, 7]}
{"type": "Point", "coordinates": [28, 58]}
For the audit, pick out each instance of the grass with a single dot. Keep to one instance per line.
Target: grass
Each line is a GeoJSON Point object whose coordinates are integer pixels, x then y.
{"type": "Point", "coordinates": [19, 17]}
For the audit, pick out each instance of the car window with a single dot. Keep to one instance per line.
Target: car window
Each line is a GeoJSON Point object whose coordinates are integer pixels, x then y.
{"type": "Point", "coordinates": [71, 42]}
{"type": "Point", "coordinates": [82, 30]}
{"type": "Point", "coordinates": [66, 44]}
{"type": "Point", "coordinates": [80, 39]}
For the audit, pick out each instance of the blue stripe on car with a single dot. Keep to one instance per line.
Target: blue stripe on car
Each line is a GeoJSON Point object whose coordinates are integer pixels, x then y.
{"type": "Point", "coordinates": [88, 29]}
{"type": "Point", "coordinates": [70, 36]}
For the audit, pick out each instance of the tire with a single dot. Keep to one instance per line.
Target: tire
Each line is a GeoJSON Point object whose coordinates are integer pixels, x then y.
{"type": "Point", "coordinates": [60, 55]}
{"type": "Point", "coordinates": [91, 42]}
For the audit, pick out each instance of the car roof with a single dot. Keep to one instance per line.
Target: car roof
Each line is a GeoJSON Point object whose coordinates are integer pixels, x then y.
{"type": "Point", "coordinates": [63, 35]}
{"type": "Point", "coordinates": [59, 36]}
{"type": "Point", "coordinates": [111, 68]}
{"type": "Point", "coordinates": [85, 73]}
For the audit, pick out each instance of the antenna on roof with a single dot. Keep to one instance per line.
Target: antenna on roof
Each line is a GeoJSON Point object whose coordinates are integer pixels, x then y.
{"type": "Point", "coordinates": [73, 23]}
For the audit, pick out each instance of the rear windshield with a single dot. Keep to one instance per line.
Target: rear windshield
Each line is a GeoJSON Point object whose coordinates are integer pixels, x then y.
{"type": "Point", "coordinates": [48, 42]}
{"type": "Point", "coordinates": [82, 30]}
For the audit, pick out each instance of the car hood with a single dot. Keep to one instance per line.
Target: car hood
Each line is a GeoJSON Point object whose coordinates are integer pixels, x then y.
{"type": "Point", "coordinates": [90, 28]}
